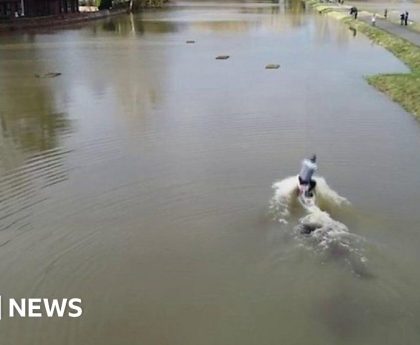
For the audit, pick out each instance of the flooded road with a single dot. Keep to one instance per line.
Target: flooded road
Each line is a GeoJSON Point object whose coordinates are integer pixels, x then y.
{"type": "Point", "coordinates": [140, 180]}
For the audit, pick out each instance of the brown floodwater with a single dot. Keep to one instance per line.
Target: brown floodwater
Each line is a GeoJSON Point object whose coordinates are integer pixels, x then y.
{"type": "Point", "coordinates": [140, 180]}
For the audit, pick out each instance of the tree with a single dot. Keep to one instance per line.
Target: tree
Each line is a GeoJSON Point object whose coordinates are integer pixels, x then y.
{"type": "Point", "coordinates": [105, 4]}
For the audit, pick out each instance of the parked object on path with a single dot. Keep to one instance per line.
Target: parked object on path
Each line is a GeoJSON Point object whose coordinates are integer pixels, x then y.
{"type": "Point", "coordinates": [373, 20]}
{"type": "Point", "coordinates": [386, 13]}
{"type": "Point", "coordinates": [406, 18]}
{"type": "Point", "coordinates": [402, 18]}
{"type": "Point", "coordinates": [222, 57]}
{"type": "Point", "coordinates": [272, 66]}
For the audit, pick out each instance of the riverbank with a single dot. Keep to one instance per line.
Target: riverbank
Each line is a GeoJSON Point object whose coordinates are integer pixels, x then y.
{"type": "Point", "coordinates": [394, 10]}
{"type": "Point", "coordinates": [402, 88]}
{"type": "Point", "coordinates": [86, 13]}
{"type": "Point", "coordinates": [57, 21]}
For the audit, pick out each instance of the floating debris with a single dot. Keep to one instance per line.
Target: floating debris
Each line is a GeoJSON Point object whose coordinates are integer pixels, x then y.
{"type": "Point", "coordinates": [190, 42]}
{"type": "Point", "coordinates": [222, 57]}
{"type": "Point", "coordinates": [272, 66]}
{"type": "Point", "coordinates": [47, 75]}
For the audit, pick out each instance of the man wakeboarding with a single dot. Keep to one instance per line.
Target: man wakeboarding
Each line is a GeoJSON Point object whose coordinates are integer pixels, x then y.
{"type": "Point", "coordinates": [305, 175]}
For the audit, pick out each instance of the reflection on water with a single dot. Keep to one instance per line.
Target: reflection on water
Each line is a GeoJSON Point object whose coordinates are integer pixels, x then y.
{"type": "Point", "coordinates": [30, 122]}
{"type": "Point", "coordinates": [139, 180]}
{"type": "Point", "coordinates": [32, 131]}
{"type": "Point", "coordinates": [233, 18]}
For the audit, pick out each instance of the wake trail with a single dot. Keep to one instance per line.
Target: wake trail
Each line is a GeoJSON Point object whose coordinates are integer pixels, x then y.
{"type": "Point", "coordinates": [314, 227]}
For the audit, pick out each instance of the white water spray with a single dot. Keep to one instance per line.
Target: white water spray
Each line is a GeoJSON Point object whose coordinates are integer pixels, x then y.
{"type": "Point", "coordinates": [285, 196]}
{"type": "Point", "coordinates": [285, 192]}
{"type": "Point", "coordinates": [327, 235]}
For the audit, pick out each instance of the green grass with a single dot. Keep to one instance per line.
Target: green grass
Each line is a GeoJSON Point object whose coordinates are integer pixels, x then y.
{"type": "Point", "coordinates": [407, 52]}
{"type": "Point", "coordinates": [402, 88]}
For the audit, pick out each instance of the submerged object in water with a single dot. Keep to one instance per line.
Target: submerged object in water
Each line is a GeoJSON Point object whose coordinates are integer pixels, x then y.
{"type": "Point", "coordinates": [190, 42]}
{"type": "Point", "coordinates": [222, 57]}
{"type": "Point", "coordinates": [307, 228]}
{"type": "Point", "coordinates": [48, 75]}
{"type": "Point", "coordinates": [272, 66]}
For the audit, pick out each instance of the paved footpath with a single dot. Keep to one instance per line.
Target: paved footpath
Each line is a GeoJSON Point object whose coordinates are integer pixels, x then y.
{"type": "Point", "coordinates": [395, 29]}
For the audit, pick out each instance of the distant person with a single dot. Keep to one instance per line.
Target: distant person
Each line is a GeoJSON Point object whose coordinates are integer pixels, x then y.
{"type": "Point", "coordinates": [306, 172]}
{"type": "Point", "coordinates": [353, 11]}
{"type": "Point", "coordinates": [386, 13]}
{"type": "Point", "coordinates": [406, 18]}
{"type": "Point", "coordinates": [373, 20]}
{"type": "Point", "coordinates": [402, 18]}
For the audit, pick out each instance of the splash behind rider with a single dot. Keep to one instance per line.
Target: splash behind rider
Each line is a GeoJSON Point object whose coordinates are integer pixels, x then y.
{"type": "Point", "coordinates": [306, 172]}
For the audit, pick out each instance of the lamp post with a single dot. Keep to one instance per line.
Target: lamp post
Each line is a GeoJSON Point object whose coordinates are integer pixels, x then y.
{"type": "Point", "coordinates": [22, 8]}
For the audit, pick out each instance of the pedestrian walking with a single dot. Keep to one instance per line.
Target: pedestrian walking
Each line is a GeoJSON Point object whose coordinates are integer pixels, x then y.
{"type": "Point", "coordinates": [373, 19]}
{"type": "Point", "coordinates": [402, 18]}
{"type": "Point", "coordinates": [406, 18]}
{"type": "Point", "coordinates": [386, 13]}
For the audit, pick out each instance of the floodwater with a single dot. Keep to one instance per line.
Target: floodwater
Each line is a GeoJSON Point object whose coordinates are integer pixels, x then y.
{"type": "Point", "coordinates": [140, 180]}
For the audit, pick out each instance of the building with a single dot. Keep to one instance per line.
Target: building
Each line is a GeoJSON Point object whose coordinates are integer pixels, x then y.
{"type": "Point", "coordinates": [8, 8]}
{"type": "Point", "coordinates": [37, 8]}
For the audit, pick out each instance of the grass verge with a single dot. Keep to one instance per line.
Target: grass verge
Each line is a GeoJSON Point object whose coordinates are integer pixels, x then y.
{"type": "Point", "coordinates": [401, 88]}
